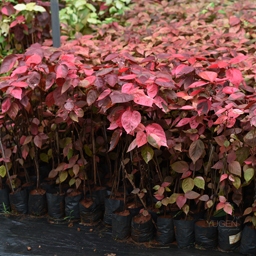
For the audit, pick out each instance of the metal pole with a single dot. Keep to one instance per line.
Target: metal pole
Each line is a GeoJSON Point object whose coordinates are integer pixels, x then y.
{"type": "Point", "coordinates": [55, 23]}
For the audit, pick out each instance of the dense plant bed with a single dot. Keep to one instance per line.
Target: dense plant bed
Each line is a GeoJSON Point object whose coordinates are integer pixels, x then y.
{"type": "Point", "coordinates": [163, 119]}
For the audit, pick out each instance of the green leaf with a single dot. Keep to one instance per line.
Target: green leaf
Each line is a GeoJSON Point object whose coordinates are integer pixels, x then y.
{"type": "Point", "coordinates": [147, 153]}
{"type": "Point", "coordinates": [250, 138]}
{"type": "Point", "coordinates": [63, 176]}
{"type": "Point", "coordinates": [248, 174]}
{"type": "Point", "coordinates": [30, 6]}
{"type": "Point", "coordinates": [235, 168]}
{"type": "Point", "coordinates": [70, 153]}
{"type": "Point", "coordinates": [226, 143]}
{"type": "Point", "coordinates": [237, 183]}
{"type": "Point", "coordinates": [91, 7]}
{"type": "Point", "coordinates": [39, 8]}
{"type": "Point", "coordinates": [173, 198]}
{"type": "Point", "coordinates": [49, 153]}
{"type": "Point", "coordinates": [188, 184]}
{"type": "Point", "coordinates": [2, 171]}
{"type": "Point", "coordinates": [199, 182]}
{"type": "Point", "coordinates": [44, 157]}
{"type": "Point", "coordinates": [196, 150]}
{"type": "Point", "coordinates": [87, 150]}
{"type": "Point", "coordinates": [20, 7]}
{"type": "Point", "coordinates": [242, 154]}
{"type": "Point", "coordinates": [72, 182]}
{"type": "Point", "coordinates": [158, 204]}
{"type": "Point", "coordinates": [180, 166]}
{"type": "Point", "coordinates": [156, 187]}
{"type": "Point", "coordinates": [221, 11]}
{"type": "Point", "coordinates": [119, 5]}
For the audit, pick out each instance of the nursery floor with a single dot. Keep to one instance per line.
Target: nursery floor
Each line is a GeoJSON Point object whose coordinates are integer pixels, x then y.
{"type": "Point", "coordinates": [17, 233]}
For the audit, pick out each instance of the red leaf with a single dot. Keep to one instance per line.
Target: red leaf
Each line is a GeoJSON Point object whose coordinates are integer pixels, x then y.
{"type": "Point", "coordinates": [6, 105]}
{"type": "Point", "coordinates": [104, 71]}
{"type": "Point", "coordinates": [130, 120]}
{"type": "Point", "coordinates": [50, 79]}
{"type": "Point", "coordinates": [59, 98]}
{"type": "Point", "coordinates": [208, 75]}
{"type": "Point", "coordinates": [141, 138]}
{"type": "Point", "coordinates": [183, 122]}
{"type": "Point", "coordinates": [38, 141]}
{"type": "Point", "coordinates": [13, 111]}
{"type": "Point", "coordinates": [8, 10]}
{"type": "Point", "coordinates": [148, 59]}
{"type": "Point", "coordinates": [223, 176]}
{"type": "Point", "coordinates": [111, 56]}
{"type": "Point", "coordinates": [20, 70]}
{"type": "Point", "coordinates": [34, 129]}
{"type": "Point", "coordinates": [156, 129]}
{"type": "Point", "coordinates": [203, 106]}
{"type": "Point", "coordinates": [104, 94]}
{"type": "Point", "coordinates": [152, 90]}
{"type": "Point", "coordinates": [61, 71]}
{"type": "Point", "coordinates": [181, 200]}
{"type": "Point", "coordinates": [218, 165]}
{"type": "Point", "coordinates": [127, 88]}
{"type": "Point", "coordinates": [233, 20]}
{"type": "Point", "coordinates": [165, 184]}
{"type": "Point", "coordinates": [197, 84]}
{"type": "Point", "coordinates": [234, 76]}
{"type": "Point", "coordinates": [8, 63]}
{"type": "Point", "coordinates": [111, 79]}
{"type": "Point", "coordinates": [114, 139]}
{"type": "Point", "coordinates": [19, 84]}
{"type": "Point", "coordinates": [127, 77]}
{"type": "Point", "coordinates": [238, 59]}
{"type": "Point", "coordinates": [16, 93]}
{"type": "Point", "coordinates": [49, 100]}
{"type": "Point", "coordinates": [118, 97]}
{"type": "Point", "coordinates": [34, 59]}
{"type": "Point", "coordinates": [91, 97]}
{"type": "Point", "coordinates": [192, 195]}
{"type": "Point", "coordinates": [229, 90]}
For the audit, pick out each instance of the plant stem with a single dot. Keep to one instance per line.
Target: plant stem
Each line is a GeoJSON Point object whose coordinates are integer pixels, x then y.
{"type": "Point", "coordinates": [7, 171]}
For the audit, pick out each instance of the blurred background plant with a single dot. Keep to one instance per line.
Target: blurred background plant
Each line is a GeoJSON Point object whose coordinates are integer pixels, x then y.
{"type": "Point", "coordinates": [80, 15]}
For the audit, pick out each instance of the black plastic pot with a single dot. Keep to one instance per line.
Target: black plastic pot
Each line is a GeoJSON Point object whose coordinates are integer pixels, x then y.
{"type": "Point", "coordinates": [4, 200]}
{"type": "Point", "coordinates": [47, 185]}
{"type": "Point", "coordinates": [121, 225]}
{"type": "Point", "coordinates": [229, 237]}
{"type": "Point", "coordinates": [101, 194]}
{"type": "Point", "coordinates": [37, 204]}
{"type": "Point", "coordinates": [30, 186]}
{"type": "Point", "coordinates": [185, 234]}
{"type": "Point", "coordinates": [92, 214]}
{"type": "Point", "coordinates": [72, 206]}
{"type": "Point", "coordinates": [165, 230]}
{"type": "Point", "coordinates": [206, 237]}
{"type": "Point", "coordinates": [110, 206]}
{"type": "Point", "coordinates": [248, 241]}
{"type": "Point", "coordinates": [142, 232]}
{"type": "Point", "coordinates": [56, 205]}
{"type": "Point", "coordinates": [19, 201]}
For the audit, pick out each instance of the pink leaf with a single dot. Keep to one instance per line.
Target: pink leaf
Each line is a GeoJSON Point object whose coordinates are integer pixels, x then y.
{"type": "Point", "coordinates": [229, 90]}
{"type": "Point", "coordinates": [220, 206]}
{"type": "Point", "coordinates": [127, 77]}
{"type": "Point", "coordinates": [6, 105]}
{"type": "Point", "coordinates": [141, 138]}
{"type": "Point", "coordinates": [183, 122]}
{"type": "Point", "coordinates": [223, 177]}
{"type": "Point", "coordinates": [192, 195]}
{"type": "Point", "coordinates": [104, 94]}
{"type": "Point", "coordinates": [222, 199]}
{"type": "Point", "coordinates": [181, 200]}
{"type": "Point", "coordinates": [228, 208]}
{"type": "Point", "coordinates": [157, 130]}
{"type": "Point", "coordinates": [234, 76]}
{"type": "Point", "coordinates": [38, 141]}
{"type": "Point", "coordinates": [130, 120]}
{"type": "Point", "coordinates": [8, 63]}
{"type": "Point", "coordinates": [34, 59]}
{"type": "Point", "coordinates": [208, 75]}
{"type": "Point", "coordinates": [198, 84]}
{"type": "Point", "coordinates": [16, 93]}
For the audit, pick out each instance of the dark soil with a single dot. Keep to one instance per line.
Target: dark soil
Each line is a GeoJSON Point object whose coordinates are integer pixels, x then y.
{"type": "Point", "coordinates": [38, 192]}
{"type": "Point", "coordinates": [28, 184]}
{"type": "Point", "coordinates": [141, 218]}
{"type": "Point", "coordinates": [167, 216]}
{"type": "Point", "coordinates": [123, 213]}
{"type": "Point", "coordinates": [86, 203]}
{"type": "Point", "coordinates": [132, 205]}
{"type": "Point", "coordinates": [74, 193]}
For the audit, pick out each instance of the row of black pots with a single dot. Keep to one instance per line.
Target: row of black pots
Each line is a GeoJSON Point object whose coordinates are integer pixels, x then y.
{"type": "Point", "coordinates": [188, 233]}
